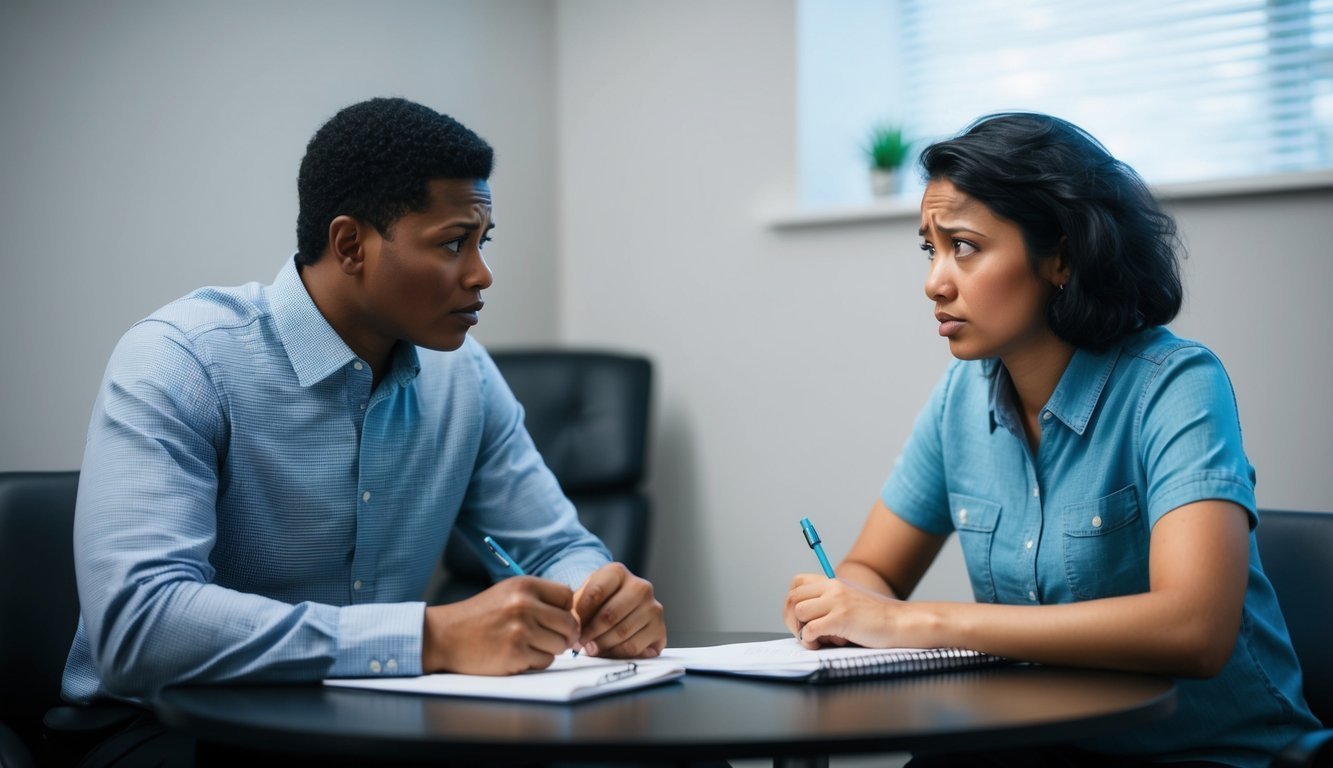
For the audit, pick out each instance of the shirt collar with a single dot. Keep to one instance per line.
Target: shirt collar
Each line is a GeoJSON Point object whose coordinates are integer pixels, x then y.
{"type": "Point", "coordinates": [1074, 398]}
{"type": "Point", "coordinates": [313, 346]}
{"type": "Point", "coordinates": [315, 349]}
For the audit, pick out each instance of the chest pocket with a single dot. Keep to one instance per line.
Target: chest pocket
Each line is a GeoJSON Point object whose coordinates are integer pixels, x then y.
{"type": "Point", "coordinates": [975, 520]}
{"type": "Point", "coordinates": [1105, 546]}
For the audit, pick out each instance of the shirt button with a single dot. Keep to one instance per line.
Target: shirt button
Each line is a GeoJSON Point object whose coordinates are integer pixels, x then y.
{"type": "Point", "coordinates": [1097, 521]}
{"type": "Point", "coordinates": [356, 584]}
{"type": "Point", "coordinates": [1029, 544]}
{"type": "Point", "coordinates": [363, 406]}
{"type": "Point", "coordinates": [375, 666]}
{"type": "Point", "coordinates": [365, 495]}
{"type": "Point", "coordinates": [962, 515]}
{"type": "Point", "coordinates": [1032, 596]}
{"type": "Point", "coordinates": [357, 365]}
{"type": "Point", "coordinates": [391, 665]}
{"type": "Point", "coordinates": [1046, 416]}
{"type": "Point", "coordinates": [1036, 490]}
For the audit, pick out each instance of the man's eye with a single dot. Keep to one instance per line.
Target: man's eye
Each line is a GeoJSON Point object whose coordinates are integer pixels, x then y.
{"type": "Point", "coordinates": [481, 245]}
{"type": "Point", "coordinates": [930, 251]}
{"type": "Point", "coordinates": [454, 246]}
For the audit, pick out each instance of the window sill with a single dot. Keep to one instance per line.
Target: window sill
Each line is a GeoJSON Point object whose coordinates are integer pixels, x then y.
{"type": "Point", "coordinates": [899, 208]}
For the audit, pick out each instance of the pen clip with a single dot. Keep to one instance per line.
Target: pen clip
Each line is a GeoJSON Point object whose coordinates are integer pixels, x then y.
{"type": "Point", "coordinates": [629, 670]}
{"type": "Point", "coordinates": [500, 554]}
{"type": "Point", "coordinates": [808, 529]}
{"type": "Point", "coordinates": [495, 550]}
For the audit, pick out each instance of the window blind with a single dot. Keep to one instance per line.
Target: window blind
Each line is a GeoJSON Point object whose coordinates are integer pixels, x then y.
{"type": "Point", "coordinates": [1183, 90]}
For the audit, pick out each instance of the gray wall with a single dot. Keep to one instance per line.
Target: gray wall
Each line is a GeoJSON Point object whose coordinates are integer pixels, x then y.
{"type": "Point", "coordinates": [152, 147]}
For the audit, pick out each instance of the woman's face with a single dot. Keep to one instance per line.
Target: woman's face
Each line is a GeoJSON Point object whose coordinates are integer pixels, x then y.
{"type": "Point", "coordinates": [988, 301]}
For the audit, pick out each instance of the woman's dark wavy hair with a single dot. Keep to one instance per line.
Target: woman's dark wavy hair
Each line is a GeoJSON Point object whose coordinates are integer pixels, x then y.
{"type": "Point", "coordinates": [373, 160]}
{"type": "Point", "coordinates": [1070, 197]}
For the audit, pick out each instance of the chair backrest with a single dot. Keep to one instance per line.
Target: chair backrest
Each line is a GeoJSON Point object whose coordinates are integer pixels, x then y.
{"type": "Point", "coordinates": [587, 412]}
{"type": "Point", "coordinates": [1296, 549]}
{"type": "Point", "coordinates": [39, 602]}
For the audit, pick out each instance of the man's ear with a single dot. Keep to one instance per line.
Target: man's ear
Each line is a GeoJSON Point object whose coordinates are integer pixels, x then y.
{"type": "Point", "coordinates": [347, 240]}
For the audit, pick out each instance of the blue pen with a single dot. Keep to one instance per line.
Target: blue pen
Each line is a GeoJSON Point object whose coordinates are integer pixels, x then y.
{"type": "Point", "coordinates": [509, 562]}
{"type": "Point", "coordinates": [503, 556]}
{"type": "Point", "coordinates": [812, 539]}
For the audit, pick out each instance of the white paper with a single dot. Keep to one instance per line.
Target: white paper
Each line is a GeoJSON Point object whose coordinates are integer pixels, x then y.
{"type": "Point", "coordinates": [567, 679]}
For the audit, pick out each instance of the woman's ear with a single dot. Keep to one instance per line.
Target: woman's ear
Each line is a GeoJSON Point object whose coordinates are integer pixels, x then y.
{"type": "Point", "coordinates": [1055, 268]}
{"type": "Point", "coordinates": [347, 241]}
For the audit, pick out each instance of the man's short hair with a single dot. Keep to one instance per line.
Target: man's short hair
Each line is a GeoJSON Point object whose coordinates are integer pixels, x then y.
{"type": "Point", "coordinates": [373, 160]}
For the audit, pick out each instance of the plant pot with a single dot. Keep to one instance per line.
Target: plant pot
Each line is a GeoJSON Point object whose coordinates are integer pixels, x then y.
{"type": "Point", "coordinates": [884, 181]}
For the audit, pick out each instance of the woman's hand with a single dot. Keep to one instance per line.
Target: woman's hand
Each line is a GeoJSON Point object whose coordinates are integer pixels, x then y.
{"type": "Point", "coordinates": [821, 611]}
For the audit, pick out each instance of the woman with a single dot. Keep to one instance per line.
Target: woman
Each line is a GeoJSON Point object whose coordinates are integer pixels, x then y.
{"type": "Point", "coordinates": [1090, 460]}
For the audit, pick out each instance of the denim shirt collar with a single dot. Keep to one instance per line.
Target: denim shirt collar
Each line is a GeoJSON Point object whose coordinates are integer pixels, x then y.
{"type": "Point", "coordinates": [314, 348]}
{"type": "Point", "coordinates": [1074, 399]}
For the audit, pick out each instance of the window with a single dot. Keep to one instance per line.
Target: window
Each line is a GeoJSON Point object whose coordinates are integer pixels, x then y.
{"type": "Point", "coordinates": [1183, 90]}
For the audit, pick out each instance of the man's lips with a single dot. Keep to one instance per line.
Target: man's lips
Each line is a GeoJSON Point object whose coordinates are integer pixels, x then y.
{"type": "Point", "coordinates": [468, 314]}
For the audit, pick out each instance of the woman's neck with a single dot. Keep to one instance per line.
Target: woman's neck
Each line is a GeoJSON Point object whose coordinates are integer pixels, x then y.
{"type": "Point", "coordinates": [1035, 372]}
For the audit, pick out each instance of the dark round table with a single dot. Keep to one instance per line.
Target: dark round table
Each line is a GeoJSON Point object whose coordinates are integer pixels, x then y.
{"type": "Point", "coordinates": [698, 717]}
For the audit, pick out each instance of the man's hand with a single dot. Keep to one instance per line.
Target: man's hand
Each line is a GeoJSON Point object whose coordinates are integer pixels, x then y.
{"type": "Point", "coordinates": [619, 616]}
{"type": "Point", "coordinates": [519, 624]}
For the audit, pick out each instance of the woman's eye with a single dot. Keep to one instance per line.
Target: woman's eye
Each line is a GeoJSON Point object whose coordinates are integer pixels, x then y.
{"type": "Point", "coordinates": [481, 244]}
{"type": "Point", "coordinates": [930, 251]}
{"type": "Point", "coordinates": [454, 246]}
{"type": "Point", "coordinates": [963, 248]}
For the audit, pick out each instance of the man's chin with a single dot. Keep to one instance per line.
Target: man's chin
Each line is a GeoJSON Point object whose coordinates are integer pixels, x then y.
{"type": "Point", "coordinates": [442, 344]}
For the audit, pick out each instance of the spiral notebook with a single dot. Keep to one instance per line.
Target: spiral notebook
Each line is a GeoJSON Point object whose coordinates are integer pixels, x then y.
{"type": "Point", "coordinates": [786, 659]}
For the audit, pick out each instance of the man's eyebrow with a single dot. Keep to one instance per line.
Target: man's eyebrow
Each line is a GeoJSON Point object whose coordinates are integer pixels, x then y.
{"type": "Point", "coordinates": [467, 224]}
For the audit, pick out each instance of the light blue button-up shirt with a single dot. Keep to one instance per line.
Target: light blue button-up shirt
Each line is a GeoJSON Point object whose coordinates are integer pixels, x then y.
{"type": "Point", "coordinates": [250, 508]}
{"type": "Point", "coordinates": [1127, 436]}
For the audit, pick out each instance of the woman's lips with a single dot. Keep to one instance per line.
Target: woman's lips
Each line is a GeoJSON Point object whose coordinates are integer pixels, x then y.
{"type": "Point", "coordinates": [950, 327]}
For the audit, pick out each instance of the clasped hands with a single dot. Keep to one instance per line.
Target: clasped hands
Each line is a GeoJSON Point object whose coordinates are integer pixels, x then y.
{"type": "Point", "coordinates": [523, 622]}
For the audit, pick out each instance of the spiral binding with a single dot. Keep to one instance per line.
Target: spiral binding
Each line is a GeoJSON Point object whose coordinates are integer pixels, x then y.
{"type": "Point", "coordinates": [900, 663]}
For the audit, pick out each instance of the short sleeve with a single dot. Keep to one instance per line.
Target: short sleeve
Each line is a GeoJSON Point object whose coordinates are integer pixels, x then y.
{"type": "Point", "coordinates": [1191, 436]}
{"type": "Point", "coordinates": [916, 489]}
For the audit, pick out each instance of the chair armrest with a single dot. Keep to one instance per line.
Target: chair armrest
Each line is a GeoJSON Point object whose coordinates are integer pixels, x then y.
{"type": "Point", "coordinates": [1312, 749]}
{"type": "Point", "coordinates": [13, 752]}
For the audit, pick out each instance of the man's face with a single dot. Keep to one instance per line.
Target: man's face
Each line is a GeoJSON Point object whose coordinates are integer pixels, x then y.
{"type": "Point", "coordinates": [422, 279]}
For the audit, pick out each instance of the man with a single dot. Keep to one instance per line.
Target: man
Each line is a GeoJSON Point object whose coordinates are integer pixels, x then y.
{"type": "Point", "coordinates": [272, 471]}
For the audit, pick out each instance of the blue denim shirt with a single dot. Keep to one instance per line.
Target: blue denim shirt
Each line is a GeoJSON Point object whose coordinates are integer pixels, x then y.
{"type": "Point", "coordinates": [1128, 435]}
{"type": "Point", "coordinates": [250, 508]}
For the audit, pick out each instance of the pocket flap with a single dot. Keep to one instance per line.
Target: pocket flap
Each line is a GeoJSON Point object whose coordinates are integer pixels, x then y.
{"type": "Point", "coordinates": [1101, 516]}
{"type": "Point", "coordinates": [972, 514]}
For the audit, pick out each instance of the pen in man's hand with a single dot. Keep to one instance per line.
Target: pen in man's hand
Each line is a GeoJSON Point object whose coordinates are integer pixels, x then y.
{"type": "Point", "coordinates": [506, 560]}
{"type": "Point", "coordinates": [812, 538]}
{"type": "Point", "coordinates": [503, 556]}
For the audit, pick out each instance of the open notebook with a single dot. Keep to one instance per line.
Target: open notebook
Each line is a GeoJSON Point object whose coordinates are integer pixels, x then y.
{"type": "Point", "coordinates": [786, 659]}
{"type": "Point", "coordinates": [567, 679]}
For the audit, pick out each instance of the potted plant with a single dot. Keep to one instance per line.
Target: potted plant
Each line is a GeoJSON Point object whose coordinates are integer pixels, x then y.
{"type": "Point", "coordinates": [887, 150]}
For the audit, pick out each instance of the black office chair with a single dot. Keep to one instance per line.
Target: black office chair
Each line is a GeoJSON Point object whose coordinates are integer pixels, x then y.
{"type": "Point", "coordinates": [39, 602]}
{"type": "Point", "coordinates": [1294, 548]}
{"type": "Point", "coordinates": [587, 412]}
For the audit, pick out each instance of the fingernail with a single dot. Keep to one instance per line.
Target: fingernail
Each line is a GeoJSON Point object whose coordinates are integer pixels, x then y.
{"type": "Point", "coordinates": [591, 648]}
